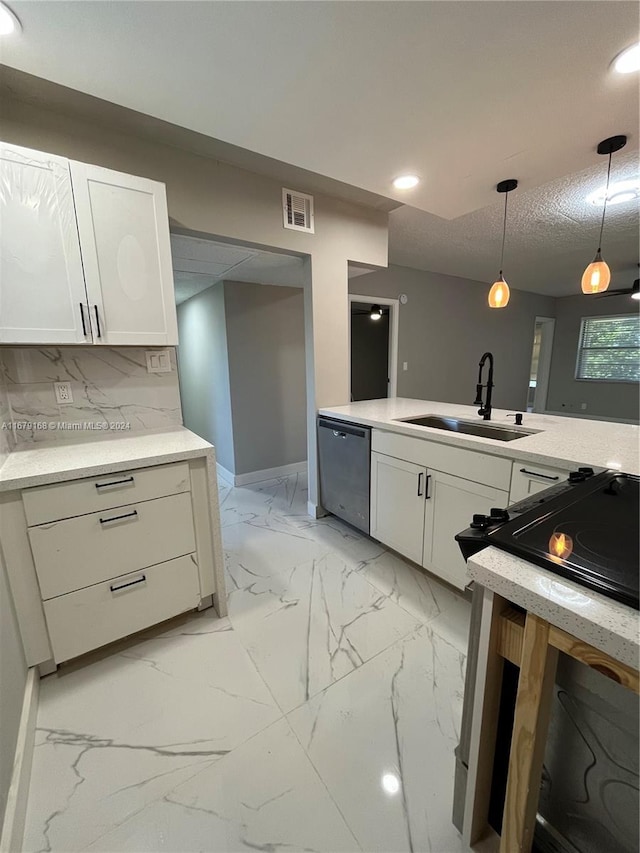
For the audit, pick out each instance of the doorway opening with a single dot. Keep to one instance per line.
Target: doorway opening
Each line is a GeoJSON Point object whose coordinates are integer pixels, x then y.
{"type": "Point", "coordinates": [373, 346]}
{"type": "Point", "coordinates": [540, 364]}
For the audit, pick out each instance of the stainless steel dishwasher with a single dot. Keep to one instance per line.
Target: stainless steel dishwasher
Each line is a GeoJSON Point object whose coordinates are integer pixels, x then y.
{"type": "Point", "coordinates": [344, 460]}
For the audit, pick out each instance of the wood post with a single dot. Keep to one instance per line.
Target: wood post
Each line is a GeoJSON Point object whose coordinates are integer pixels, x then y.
{"type": "Point", "coordinates": [533, 703]}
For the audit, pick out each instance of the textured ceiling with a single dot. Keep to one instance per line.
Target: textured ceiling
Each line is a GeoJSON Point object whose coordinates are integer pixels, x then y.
{"type": "Point", "coordinates": [552, 234]}
{"type": "Point", "coordinates": [463, 93]}
{"type": "Point", "coordinates": [200, 263]}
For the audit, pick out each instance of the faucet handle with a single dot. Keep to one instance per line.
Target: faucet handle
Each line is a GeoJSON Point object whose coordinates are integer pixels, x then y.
{"type": "Point", "coordinates": [478, 400]}
{"type": "Point", "coordinates": [518, 418]}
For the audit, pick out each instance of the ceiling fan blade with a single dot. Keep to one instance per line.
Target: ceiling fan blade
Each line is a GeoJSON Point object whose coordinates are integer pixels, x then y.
{"type": "Point", "coordinates": [626, 292]}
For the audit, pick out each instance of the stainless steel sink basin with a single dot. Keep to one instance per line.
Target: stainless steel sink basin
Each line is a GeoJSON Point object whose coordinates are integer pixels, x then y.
{"type": "Point", "coordinates": [482, 429]}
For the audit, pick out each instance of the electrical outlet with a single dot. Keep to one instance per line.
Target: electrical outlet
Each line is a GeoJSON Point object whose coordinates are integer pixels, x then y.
{"type": "Point", "coordinates": [158, 361]}
{"type": "Point", "coordinates": [583, 406]}
{"type": "Point", "coordinates": [63, 391]}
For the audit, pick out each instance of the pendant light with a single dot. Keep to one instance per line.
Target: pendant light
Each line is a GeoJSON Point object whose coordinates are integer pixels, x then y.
{"type": "Point", "coordinates": [596, 277]}
{"type": "Point", "coordinates": [499, 293]}
{"type": "Point", "coordinates": [376, 312]}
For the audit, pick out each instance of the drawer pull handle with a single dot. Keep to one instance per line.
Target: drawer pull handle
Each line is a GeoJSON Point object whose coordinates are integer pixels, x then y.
{"type": "Point", "coordinates": [113, 483]}
{"type": "Point", "coordinates": [130, 583]}
{"type": "Point", "coordinates": [535, 474]}
{"type": "Point", "coordinates": [119, 517]}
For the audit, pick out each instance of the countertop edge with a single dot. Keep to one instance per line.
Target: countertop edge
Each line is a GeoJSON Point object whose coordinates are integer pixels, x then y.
{"type": "Point", "coordinates": [599, 632]}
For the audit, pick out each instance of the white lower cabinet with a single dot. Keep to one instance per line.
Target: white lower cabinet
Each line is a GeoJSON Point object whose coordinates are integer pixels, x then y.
{"type": "Point", "coordinates": [449, 509]}
{"type": "Point", "coordinates": [397, 504]}
{"type": "Point", "coordinates": [527, 478]}
{"type": "Point", "coordinates": [418, 511]}
{"type": "Point", "coordinates": [92, 617]}
{"type": "Point", "coordinates": [116, 553]}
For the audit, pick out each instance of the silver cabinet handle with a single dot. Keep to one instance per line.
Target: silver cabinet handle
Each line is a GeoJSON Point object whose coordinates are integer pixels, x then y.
{"type": "Point", "coordinates": [114, 483]}
{"type": "Point", "coordinates": [339, 434]}
{"type": "Point", "coordinates": [129, 583]}
{"type": "Point", "coordinates": [120, 517]}
{"type": "Point", "coordinates": [535, 474]}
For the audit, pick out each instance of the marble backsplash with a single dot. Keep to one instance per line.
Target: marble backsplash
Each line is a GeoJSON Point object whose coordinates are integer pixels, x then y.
{"type": "Point", "coordinates": [110, 386]}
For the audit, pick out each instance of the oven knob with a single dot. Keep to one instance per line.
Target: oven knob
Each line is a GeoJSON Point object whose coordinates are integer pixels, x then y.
{"type": "Point", "coordinates": [498, 514]}
{"type": "Point", "coordinates": [588, 472]}
{"type": "Point", "coordinates": [577, 477]}
{"type": "Point", "coordinates": [480, 522]}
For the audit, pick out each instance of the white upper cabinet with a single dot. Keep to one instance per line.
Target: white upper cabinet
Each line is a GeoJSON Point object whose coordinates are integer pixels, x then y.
{"type": "Point", "coordinates": [42, 292]}
{"type": "Point", "coordinates": [84, 254]}
{"type": "Point", "coordinates": [123, 225]}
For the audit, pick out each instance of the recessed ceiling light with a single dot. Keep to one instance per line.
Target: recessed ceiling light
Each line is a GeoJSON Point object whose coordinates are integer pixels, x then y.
{"type": "Point", "coordinates": [619, 193]}
{"type": "Point", "coordinates": [390, 783]}
{"type": "Point", "coordinates": [628, 61]}
{"type": "Point", "coordinates": [9, 23]}
{"type": "Point", "coordinates": [406, 182]}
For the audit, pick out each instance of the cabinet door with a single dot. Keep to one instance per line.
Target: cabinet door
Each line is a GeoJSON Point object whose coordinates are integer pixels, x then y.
{"type": "Point", "coordinates": [450, 506]}
{"type": "Point", "coordinates": [397, 504]}
{"type": "Point", "coordinates": [124, 236]}
{"type": "Point", "coordinates": [41, 280]}
{"type": "Point", "coordinates": [527, 478]}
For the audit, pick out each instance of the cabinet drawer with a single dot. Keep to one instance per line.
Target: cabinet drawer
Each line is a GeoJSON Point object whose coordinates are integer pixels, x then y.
{"type": "Point", "coordinates": [100, 614]}
{"type": "Point", "coordinates": [78, 497]}
{"type": "Point", "coordinates": [527, 478]}
{"type": "Point", "coordinates": [471, 464]}
{"type": "Point", "coordinates": [78, 552]}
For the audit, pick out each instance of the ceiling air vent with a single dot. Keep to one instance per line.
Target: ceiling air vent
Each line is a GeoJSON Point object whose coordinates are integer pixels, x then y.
{"type": "Point", "coordinates": [297, 209]}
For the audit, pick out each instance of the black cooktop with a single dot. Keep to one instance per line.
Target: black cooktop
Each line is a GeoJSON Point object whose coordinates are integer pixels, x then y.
{"type": "Point", "coordinates": [589, 533]}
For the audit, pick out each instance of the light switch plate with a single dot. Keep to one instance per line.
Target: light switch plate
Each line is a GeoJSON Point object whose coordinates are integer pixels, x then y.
{"type": "Point", "coordinates": [158, 360]}
{"type": "Point", "coordinates": [63, 391]}
{"type": "Point", "coordinates": [405, 365]}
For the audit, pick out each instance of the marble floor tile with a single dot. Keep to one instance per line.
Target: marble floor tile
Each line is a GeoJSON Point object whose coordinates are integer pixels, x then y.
{"type": "Point", "coordinates": [422, 595]}
{"type": "Point", "coordinates": [120, 730]}
{"type": "Point", "coordinates": [310, 625]}
{"type": "Point", "coordinates": [176, 740]}
{"type": "Point", "coordinates": [383, 742]}
{"type": "Point", "coordinates": [265, 796]}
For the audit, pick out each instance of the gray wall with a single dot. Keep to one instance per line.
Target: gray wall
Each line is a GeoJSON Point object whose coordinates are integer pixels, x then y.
{"type": "Point", "coordinates": [242, 373]}
{"type": "Point", "coordinates": [204, 371]}
{"type": "Point", "coordinates": [13, 676]}
{"type": "Point", "coordinates": [566, 394]}
{"type": "Point", "coordinates": [447, 325]}
{"type": "Point", "coordinates": [265, 338]}
{"type": "Point", "coordinates": [369, 354]}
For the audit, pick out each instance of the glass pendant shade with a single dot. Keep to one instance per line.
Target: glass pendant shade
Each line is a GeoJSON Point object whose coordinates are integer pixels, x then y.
{"type": "Point", "coordinates": [499, 294]}
{"type": "Point", "coordinates": [596, 277]}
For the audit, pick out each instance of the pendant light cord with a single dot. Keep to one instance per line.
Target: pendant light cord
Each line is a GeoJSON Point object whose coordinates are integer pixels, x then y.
{"type": "Point", "coordinates": [504, 232]}
{"type": "Point", "coordinates": [604, 209]}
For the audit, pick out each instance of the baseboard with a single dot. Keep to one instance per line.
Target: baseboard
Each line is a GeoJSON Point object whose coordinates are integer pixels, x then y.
{"type": "Point", "coordinates": [225, 475]}
{"type": "Point", "coordinates": [315, 510]}
{"type": "Point", "coordinates": [270, 473]}
{"type": "Point", "coordinates": [16, 808]}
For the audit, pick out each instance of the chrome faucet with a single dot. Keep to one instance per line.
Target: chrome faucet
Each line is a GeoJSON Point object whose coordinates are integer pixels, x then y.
{"type": "Point", "coordinates": [485, 408]}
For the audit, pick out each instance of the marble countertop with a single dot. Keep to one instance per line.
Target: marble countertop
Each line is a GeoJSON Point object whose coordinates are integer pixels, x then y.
{"type": "Point", "coordinates": [593, 618]}
{"type": "Point", "coordinates": [51, 462]}
{"type": "Point", "coordinates": [557, 440]}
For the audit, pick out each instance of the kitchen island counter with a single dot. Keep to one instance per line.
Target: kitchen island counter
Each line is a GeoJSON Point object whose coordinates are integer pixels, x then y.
{"type": "Point", "coordinates": [557, 440]}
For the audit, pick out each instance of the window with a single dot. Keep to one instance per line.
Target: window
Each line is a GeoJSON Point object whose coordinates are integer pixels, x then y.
{"type": "Point", "coordinates": [609, 349]}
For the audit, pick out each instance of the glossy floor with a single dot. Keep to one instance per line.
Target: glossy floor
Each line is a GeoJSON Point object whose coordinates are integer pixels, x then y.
{"type": "Point", "coordinates": [322, 715]}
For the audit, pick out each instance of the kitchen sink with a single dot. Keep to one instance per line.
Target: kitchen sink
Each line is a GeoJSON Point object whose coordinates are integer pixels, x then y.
{"type": "Point", "coordinates": [482, 429]}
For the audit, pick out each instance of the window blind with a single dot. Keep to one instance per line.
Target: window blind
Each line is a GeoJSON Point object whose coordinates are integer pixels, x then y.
{"type": "Point", "coordinates": [609, 349]}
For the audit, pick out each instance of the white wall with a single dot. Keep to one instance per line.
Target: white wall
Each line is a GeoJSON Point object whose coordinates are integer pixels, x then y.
{"type": "Point", "coordinates": [566, 393]}
{"type": "Point", "coordinates": [211, 197]}
{"type": "Point", "coordinates": [13, 676]}
{"type": "Point", "coordinates": [447, 325]}
{"type": "Point", "coordinates": [204, 371]}
{"type": "Point", "coordinates": [265, 339]}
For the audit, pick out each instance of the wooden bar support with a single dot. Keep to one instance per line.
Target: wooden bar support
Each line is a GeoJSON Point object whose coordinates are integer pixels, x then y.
{"type": "Point", "coordinates": [533, 702]}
